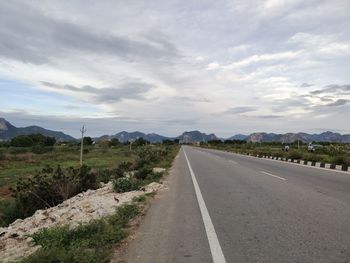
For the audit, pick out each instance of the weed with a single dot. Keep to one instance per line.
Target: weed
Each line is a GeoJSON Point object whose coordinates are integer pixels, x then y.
{"type": "Point", "coordinates": [86, 243]}
{"type": "Point", "coordinates": [139, 199]}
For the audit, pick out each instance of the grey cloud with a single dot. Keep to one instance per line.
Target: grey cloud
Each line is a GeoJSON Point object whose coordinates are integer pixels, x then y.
{"type": "Point", "coordinates": [290, 103]}
{"type": "Point", "coordinates": [177, 122]}
{"type": "Point", "coordinates": [339, 102]}
{"type": "Point", "coordinates": [268, 116]}
{"type": "Point", "coordinates": [71, 107]}
{"type": "Point", "coordinates": [31, 36]}
{"type": "Point", "coordinates": [241, 109]}
{"type": "Point", "coordinates": [128, 90]}
{"type": "Point", "coordinates": [191, 99]}
{"type": "Point", "coordinates": [327, 98]}
{"type": "Point", "coordinates": [332, 89]}
{"type": "Point", "coordinates": [306, 85]}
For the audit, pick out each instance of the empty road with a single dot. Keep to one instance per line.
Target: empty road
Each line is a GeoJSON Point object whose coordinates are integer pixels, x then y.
{"type": "Point", "coordinates": [224, 207]}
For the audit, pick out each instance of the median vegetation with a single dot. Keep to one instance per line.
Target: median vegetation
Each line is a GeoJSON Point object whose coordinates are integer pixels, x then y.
{"type": "Point", "coordinates": [333, 153]}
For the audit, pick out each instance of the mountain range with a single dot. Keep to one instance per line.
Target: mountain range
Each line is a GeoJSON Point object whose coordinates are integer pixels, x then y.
{"type": "Point", "coordinates": [127, 136]}
{"type": "Point", "coordinates": [8, 131]}
{"type": "Point", "coordinates": [304, 137]}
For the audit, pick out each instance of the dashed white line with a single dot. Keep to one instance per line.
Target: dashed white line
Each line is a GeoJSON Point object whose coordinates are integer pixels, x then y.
{"type": "Point", "coordinates": [278, 177]}
{"type": "Point", "coordinates": [215, 248]}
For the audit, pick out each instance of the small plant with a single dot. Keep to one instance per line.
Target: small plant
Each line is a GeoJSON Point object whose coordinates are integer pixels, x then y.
{"type": "Point", "coordinates": [87, 243]}
{"type": "Point", "coordinates": [139, 199]}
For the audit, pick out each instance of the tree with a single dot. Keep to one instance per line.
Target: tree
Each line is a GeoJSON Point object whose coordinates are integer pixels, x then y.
{"type": "Point", "coordinates": [140, 142]}
{"type": "Point", "coordinates": [114, 142]}
{"type": "Point", "coordinates": [88, 141]}
{"type": "Point", "coordinates": [22, 141]}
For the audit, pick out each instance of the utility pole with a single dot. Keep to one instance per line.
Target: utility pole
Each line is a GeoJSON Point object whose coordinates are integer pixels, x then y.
{"type": "Point", "coordinates": [82, 130]}
{"type": "Point", "coordinates": [131, 141]}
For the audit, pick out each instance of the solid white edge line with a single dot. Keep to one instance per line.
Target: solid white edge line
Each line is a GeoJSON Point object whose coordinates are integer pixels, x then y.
{"type": "Point", "coordinates": [281, 178]}
{"type": "Point", "coordinates": [215, 248]}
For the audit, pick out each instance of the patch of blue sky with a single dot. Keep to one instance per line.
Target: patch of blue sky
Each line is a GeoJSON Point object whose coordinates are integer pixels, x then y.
{"type": "Point", "coordinates": [15, 95]}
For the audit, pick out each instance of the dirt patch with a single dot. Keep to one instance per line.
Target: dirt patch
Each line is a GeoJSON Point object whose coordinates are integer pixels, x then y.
{"type": "Point", "coordinates": [5, 192]}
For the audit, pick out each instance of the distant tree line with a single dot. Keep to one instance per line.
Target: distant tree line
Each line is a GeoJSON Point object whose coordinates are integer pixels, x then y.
{"type": "Point", "coordinates": [32, 140]}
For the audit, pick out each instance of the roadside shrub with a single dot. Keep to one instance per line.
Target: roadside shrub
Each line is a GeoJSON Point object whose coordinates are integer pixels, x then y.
{"type": "Point", "coordinates": [140, 163]}
{"type": "Point", "coordinates": [294, 155]}
{"type": "Point", "coordinates": [340, 159]}
{"type": "Point", "coordinates": [106, 175]}
{"type": "Point", "coordinates": [142, 173]}
{"type": "Point", "coordinates": [126, 166]}
{"type": "Point", "coordinates": [125, 184]}
{"type": "Point", "coordinates": [51, 187]}
{"type": "Point", "coordinates": [9, 212]}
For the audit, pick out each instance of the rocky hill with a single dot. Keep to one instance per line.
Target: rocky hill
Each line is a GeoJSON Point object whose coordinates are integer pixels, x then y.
{"type": "Point", "coordinates": [8, 131]}
{"type": "Point", "coordinates": [127, 136]}
{"type": "Point", "coordinates": [304, 137]}
{"type": "Point", "coordinates": [196, 136]}
{"type": "Point", "coordinates": [240, 137]}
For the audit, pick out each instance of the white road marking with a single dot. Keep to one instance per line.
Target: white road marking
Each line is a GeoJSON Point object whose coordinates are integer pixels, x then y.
{"type": "Point", "coordinates": [290, 163]}
{"type": "Point", "coordinates": [281, 178]}
{"type": "Point", "coordinates": [215, 248]}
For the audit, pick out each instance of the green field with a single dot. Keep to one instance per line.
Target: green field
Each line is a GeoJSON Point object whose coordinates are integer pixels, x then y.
{"type": "Point", "coordinates": [16, 162]}
{"type": "Point", "coordinates": [21, 162]}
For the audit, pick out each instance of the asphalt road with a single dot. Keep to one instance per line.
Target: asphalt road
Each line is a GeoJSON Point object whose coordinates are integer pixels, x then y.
{"type": "Point", "coordinates": [223, 207]}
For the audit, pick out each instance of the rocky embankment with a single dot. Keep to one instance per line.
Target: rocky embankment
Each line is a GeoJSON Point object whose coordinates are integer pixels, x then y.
{"type": "Point", "coordinates": [16, 241]}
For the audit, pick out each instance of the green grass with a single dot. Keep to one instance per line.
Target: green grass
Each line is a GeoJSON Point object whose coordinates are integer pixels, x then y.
{"type": "Point", "coordinates": [26, 164]}
{"type": "Point", "coordinates": [86, 243]}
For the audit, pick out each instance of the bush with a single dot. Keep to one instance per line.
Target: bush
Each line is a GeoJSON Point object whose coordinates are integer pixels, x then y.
{"type": "Point", "coordinates": [106, 175]}
{"type": "Point", "coordinates": [114, 142]}
{"type": "Point", "coordinates": [22, 141]}
{"type": "Point", "coordinates": [9, 212]}
{"type": "Point", "coordinates": [51, 187]}
{"type": "Point", "coordinates": [125, 184]}
{"type": "Point", "coordinates": [126, 166]}
{"type": "Point", "coordinates": [340, 160]}
{"type": "Point", "coordinates": [142, 173]}
{"type": "Point", "coordinates": [295, 155]}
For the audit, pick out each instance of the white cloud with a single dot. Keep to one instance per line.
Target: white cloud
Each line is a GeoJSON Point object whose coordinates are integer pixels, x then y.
{"type": "Point", "coordinates": [199, 58]}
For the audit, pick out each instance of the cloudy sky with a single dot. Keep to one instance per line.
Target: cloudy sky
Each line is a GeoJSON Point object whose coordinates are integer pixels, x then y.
{"type": "Point", "coordinates": [226, 67]}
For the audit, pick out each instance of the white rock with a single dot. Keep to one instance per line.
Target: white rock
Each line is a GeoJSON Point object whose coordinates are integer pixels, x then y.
{"type": "Point", "coordinates": [15, 241]}
{"type": "Point", "coordinates": [158, 170]}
